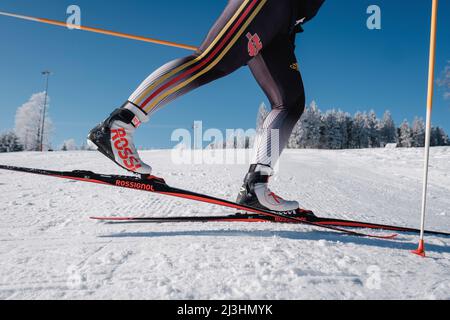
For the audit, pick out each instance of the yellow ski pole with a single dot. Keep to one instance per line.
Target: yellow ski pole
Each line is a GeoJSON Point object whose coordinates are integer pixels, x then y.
{"type": "Point", "coordinates": [421, 250]}
{"type": "Point", "coordinates": [101, 31]}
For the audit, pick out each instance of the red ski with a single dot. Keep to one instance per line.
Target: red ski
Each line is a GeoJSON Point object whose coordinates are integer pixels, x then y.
{"type": "Point", "coordinates": [255, 218]}
{"type": "Point", "coordinates": [157, 185]}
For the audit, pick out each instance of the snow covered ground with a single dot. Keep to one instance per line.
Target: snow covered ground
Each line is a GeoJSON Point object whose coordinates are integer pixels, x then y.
{"type": "Point", "coordinates": [50, 249]}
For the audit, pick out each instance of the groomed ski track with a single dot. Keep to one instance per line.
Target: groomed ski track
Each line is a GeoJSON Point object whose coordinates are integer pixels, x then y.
{"type": "Point", "coordinates": [50, 248]}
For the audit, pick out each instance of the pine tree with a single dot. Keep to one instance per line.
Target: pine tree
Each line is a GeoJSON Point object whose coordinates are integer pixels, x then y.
{"type": "Point", "coordinates": [9, 142]}
{"type": "Point", "coordinates": [323, 134]}
{"type": "Point", "coordinates": [439, 138]}
{"type": "Point", "coordinates": [388, 130]}
{"type": "Point", "coordinates": [69, 145]}
{"type": "Point", "coordinates": [338, 130]}
{"type": "Point", "coordinates": [405, 136]}
{"type": "Point", "coordinates": [356, 131]}
{"type": "Point", "coordinates": [344, 121]}
{"type": "Point", "coordinates": [306, 133]}
{"type": "Point", "coordinates": [294, 139]}
{"type": "Point", "coordinates": [359, 132]}
{"type": "Point", "coordinates": [418, 133]}
{"type": "Point", "coordinates": [314, 122]}
{"type": "Point", "coordinates": [372, 128]}
{"type": "Point", "coordinates": [445, 138]}
{"type": "Point", "coordinates": [350, 131]}
{"type": "Point", "coordinates": [332, 133]}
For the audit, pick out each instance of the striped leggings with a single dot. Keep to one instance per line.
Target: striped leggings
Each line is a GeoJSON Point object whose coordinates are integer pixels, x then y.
{"type": "Point", "coordinates": [257, 33]}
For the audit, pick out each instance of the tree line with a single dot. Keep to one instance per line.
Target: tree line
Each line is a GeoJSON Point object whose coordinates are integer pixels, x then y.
{"type": "Point", "coordinates": [335, 129]}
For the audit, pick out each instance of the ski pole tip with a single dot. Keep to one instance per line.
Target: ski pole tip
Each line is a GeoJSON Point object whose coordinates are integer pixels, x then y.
{"type": "Point", "coordinates": [420, 250]}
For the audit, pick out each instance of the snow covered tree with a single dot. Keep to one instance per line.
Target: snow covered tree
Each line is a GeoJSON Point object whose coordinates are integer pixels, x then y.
{"type": "Point", "coordinates": [350, 139]}
{"type": "Point", "coordinates": [332, 134]}
{"type": "Point", "coordinates": [418, 133]}
{"type": "Point", "coordinates": [372, 128]}
{"type": "Point", "coordinates": [404, 135]}
{"type": "Point", "coordinates": [344, 122]}
{"type": "Point", "coordinates": [312, 126]}
{"type": "Point", "coordinates": [294, 139]}
{"type": "Point", "coordinates": [434, 139]}
{"type": "Point", "coordinates": [388, 130]}
{"type": "Point", "coordinates": [9, 142]}
{"type": "Point", "coordinates": [445, 138]}
{"type": "Point", "coordinates": [29, 122]}
{"type": "Point", "coordinates": [306, 133]}
{"type": "Point", "coordinates": [359, 132]}
{"type": "Point", "coordinates": [69, 145]}
{"type": "Point", "coordinates": [335, 132]}
{"type": "Point", "coordinates": [439, 137]}
{"type": "Point", "coordinates": [339, 130]}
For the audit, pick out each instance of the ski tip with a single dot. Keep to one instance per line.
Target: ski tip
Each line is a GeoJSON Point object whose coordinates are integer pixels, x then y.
{"type": "Point", "coordinates": [97, 218]}
{"type": "Point", "coordinates": [110, 219]}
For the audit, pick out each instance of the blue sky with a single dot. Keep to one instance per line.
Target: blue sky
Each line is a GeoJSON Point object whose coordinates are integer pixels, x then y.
{"type": "Point", "coordinates": [344, 64]}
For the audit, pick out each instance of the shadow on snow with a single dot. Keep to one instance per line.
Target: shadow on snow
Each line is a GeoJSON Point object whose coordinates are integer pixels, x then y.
{"type": "Point", "coordinates": [398, 243]}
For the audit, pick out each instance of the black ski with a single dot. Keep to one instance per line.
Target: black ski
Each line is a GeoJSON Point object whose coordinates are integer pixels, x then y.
{"type": "Point", "coordinates": [255, 218]}
{"type": "Point", "coordinates": [158, 185]}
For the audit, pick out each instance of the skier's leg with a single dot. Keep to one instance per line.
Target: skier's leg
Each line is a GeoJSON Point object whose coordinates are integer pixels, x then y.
{"type": "Point", "coordinates": [240, 33]}
{"type": "Point", "coordinates": [276, 70]}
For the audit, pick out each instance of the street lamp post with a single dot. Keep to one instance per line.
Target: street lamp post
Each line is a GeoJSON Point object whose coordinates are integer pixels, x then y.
{"type": "Point", "coordinates": [44, 109]}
